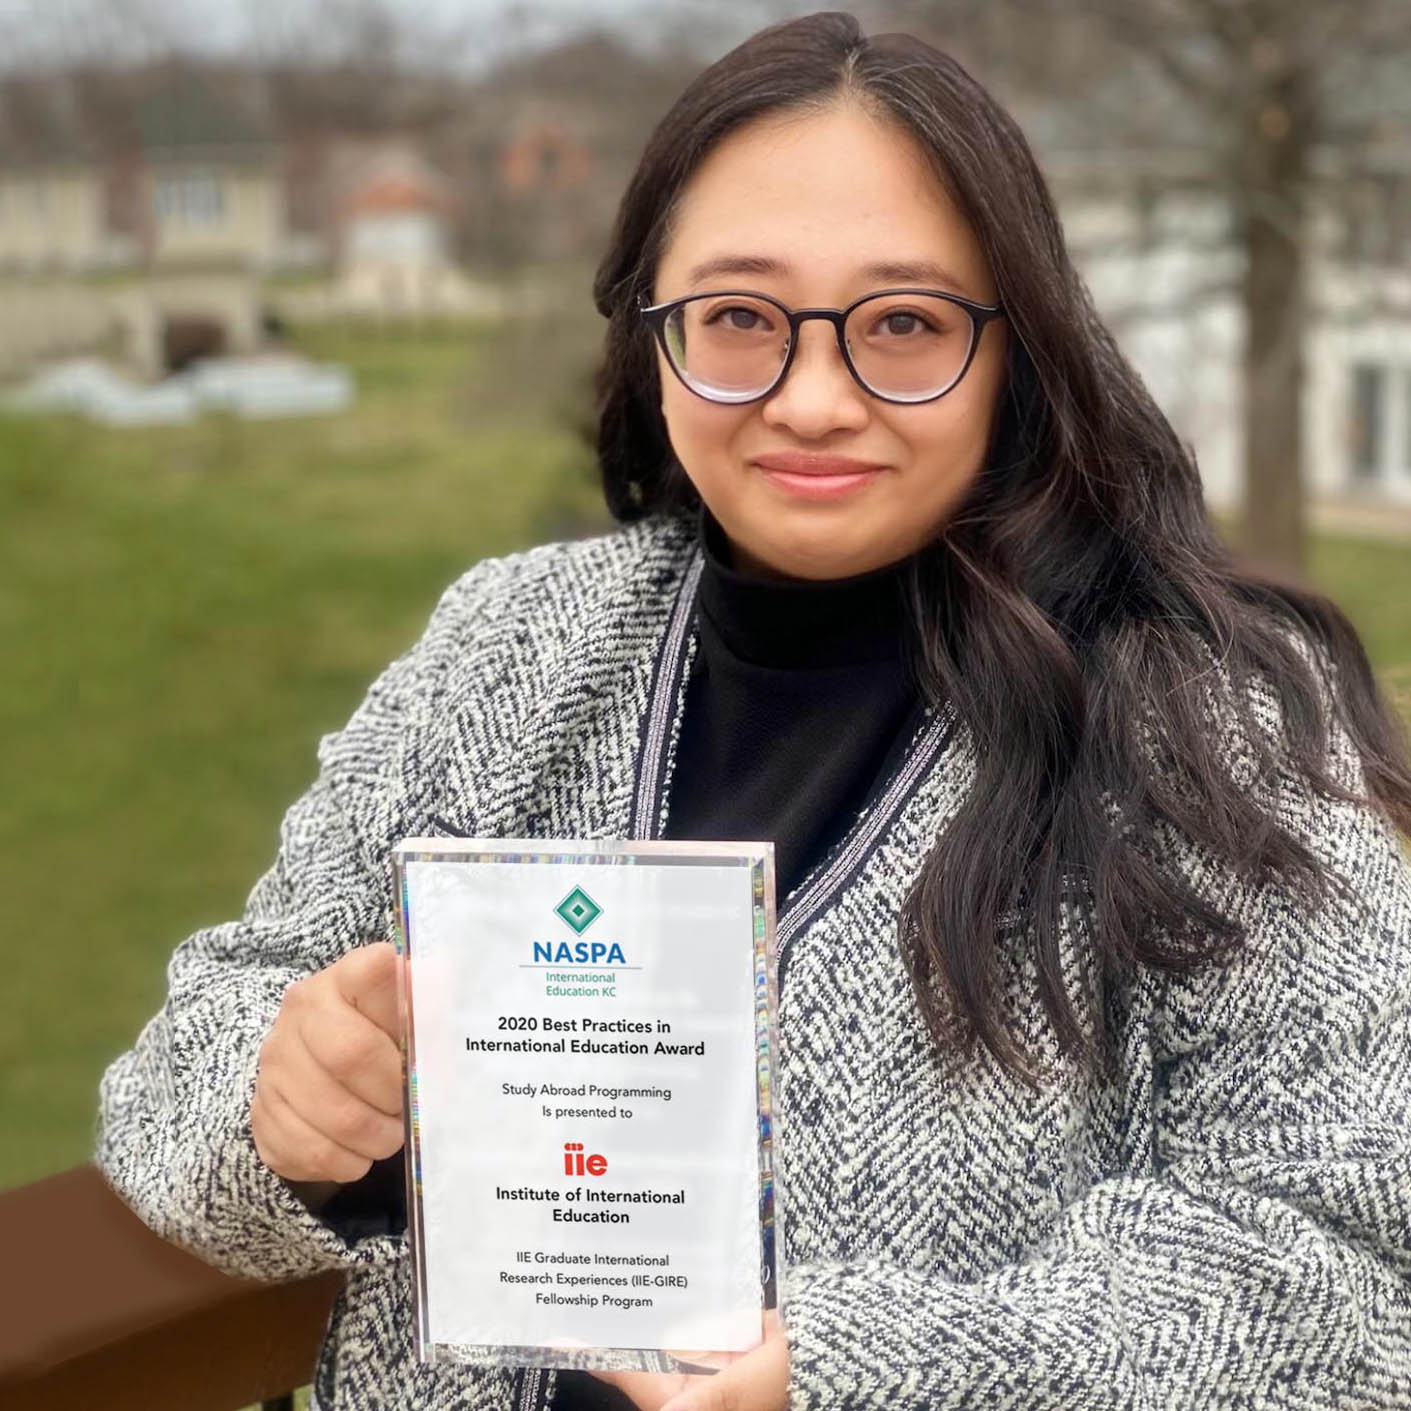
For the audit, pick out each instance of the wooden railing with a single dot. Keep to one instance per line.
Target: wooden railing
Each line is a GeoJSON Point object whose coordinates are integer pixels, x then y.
{"type": "Point", "coordinates": [99, 1313]}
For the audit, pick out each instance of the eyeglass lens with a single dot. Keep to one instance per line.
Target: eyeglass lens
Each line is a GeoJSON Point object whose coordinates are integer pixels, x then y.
{"type": "Point", "coordinates": [731, 346]}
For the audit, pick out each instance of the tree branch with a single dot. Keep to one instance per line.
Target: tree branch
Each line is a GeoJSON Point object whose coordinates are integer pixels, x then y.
{"type": "Point", "coordinates": [1163, 43]}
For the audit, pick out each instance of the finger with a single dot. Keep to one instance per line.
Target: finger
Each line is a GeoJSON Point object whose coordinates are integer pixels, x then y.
{"type": "Point", "coordinates": [367, 979]}
{"type": "Point", "coordinates": [353, 1051]}
{"type": "Point", "coordinates": [331, 1107]}
{"type": "Point", "coordinates": [648, 1391]}
{"type": "Point", "coordinates": [693, 1360]}
{"type": "Point", "coordinates": [293, 1149]}
{"type": "Point", "coordinates": [651, 1391]}
{"type": "Point", "coordinates": [759, 1381]}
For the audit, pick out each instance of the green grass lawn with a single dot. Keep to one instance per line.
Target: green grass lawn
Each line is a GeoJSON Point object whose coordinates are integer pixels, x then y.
{"type": "Point", "coordinates": [184, 611]}
{"type": "Point", "coordinates": [1371, 581]}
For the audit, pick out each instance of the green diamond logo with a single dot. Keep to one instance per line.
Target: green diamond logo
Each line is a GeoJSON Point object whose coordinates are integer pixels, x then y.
{"type": "Point", "coordinates": [579, 910]}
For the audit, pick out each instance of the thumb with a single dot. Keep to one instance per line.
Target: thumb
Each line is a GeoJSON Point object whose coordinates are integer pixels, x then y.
{"type": "Point", "coordinates": [739, 1387]}
{"type": "Point", "coordinates": [713, 1397]}
{"type": "Point", "coordinates": [757, 1381]}
{"type": "Point", "coordinates": [367, 979]}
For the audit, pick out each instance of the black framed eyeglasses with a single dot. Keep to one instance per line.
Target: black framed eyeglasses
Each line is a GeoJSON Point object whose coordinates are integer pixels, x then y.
{"type": "Point", "coordinates": [900, 345]}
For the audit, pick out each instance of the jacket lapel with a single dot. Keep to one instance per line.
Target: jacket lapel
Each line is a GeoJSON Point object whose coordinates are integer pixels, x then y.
{"type": "Point", "coordinates": [545, 734]}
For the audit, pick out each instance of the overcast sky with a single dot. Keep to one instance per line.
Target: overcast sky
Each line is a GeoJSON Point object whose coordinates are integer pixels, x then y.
{"type": "Point", "coordinates": [36, 32]}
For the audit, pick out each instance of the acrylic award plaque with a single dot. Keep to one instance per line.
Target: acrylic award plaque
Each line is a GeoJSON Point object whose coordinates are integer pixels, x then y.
{"type": "Point", "coordinates": [589, 1041]}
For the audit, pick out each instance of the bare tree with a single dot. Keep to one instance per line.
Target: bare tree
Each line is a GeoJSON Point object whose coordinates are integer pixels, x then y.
{"type": "Point", "coordinates": [1273, 99]}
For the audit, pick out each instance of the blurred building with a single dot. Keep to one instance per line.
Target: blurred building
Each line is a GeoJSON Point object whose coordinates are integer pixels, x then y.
{"type": "Point", "coordinates": [547, 155]}
{"type": "Point", "coordinates": [181, 175]}
{"type": "Point", "coordinates": [1164, 272]}
{"type": "Point", "coordinates": [224, 166]}
{"type": "Point", "coordinates": [1156, 245]}
{"type": "Point", "coordinates": [56, 210]}
{"type": "Point", "coordinates": [203, 178]}
{"type": "Point", "coordinates": [180, 169]}
{"type": "Point", "coordinates": [393, 234]}
{"type": "Point", "coordinates": [191, 184]}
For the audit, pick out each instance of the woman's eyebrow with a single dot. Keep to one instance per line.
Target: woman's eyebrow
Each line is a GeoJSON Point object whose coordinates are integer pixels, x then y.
{"type": "Point", "coordinates": [736, 264]}
{"type": "Point", "coordinates": [887, 271]}
{"type": "Point", "coordinates": [911, 272]}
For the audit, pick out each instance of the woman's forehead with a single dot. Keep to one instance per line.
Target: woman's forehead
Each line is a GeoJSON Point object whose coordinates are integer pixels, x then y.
{"type": "Point", "coordinates": [836, 195]}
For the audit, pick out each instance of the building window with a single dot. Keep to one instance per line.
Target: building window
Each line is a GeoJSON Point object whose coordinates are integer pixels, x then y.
{"type": "Point", "coordinates": [190, 198]}
{"type": "Point", "coordinates": [1368, 418]}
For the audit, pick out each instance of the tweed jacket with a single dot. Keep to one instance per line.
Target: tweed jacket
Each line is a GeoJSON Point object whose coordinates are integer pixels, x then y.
{"type": "Point", "coordinates": [1224, 1223]}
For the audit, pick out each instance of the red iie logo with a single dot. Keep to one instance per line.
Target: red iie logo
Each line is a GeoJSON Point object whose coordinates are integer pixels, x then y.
{"type": "Point", "coordinates": [575, 1163]}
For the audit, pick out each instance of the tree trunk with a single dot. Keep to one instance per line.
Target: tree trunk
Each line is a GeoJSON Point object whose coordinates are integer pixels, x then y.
{"type": "Point", "coordinates": [1271, 206]}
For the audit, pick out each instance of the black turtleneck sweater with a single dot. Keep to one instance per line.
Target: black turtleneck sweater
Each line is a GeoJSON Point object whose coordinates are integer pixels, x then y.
{"type": "Point", "coordinates": [800, 698]}
{"type": "Point", "coordinates": [799, 703]}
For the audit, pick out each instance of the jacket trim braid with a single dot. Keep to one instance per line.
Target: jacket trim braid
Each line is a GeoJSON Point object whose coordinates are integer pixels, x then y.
{"type": "Point", "coordinates": [668, 676]}
{"type": "Point", "coordinates": [661, 729]}
{"type": "Point", "coordinates": [812, 894]}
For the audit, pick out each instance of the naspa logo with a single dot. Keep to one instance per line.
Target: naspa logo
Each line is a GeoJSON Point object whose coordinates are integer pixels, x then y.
{"type": "Point", "coordinates": [578, 911]}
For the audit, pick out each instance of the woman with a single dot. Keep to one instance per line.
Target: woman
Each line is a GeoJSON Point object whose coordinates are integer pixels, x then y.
{"type": "Point", "coordinates": [1095, 1082]}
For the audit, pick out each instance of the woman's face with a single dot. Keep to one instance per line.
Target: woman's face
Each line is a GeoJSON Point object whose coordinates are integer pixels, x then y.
{"type": "Point", "coordinates": [800, 207]}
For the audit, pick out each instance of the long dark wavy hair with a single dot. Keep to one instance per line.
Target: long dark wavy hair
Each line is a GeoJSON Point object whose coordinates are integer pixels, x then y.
{"type": "Point", "coordinates": [1078, 607]}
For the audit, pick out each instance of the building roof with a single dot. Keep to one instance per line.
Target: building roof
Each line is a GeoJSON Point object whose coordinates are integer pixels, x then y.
{"type": "Point", "coordinates": [188, 112]}
{"type": "Point", "coordinates": [38, 126]}
{"type": "Point", "coordinates": [391, 175]}
{"type": "Point", "coordinates": [392, 193]}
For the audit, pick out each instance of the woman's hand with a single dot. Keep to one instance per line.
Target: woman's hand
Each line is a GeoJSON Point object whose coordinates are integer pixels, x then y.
{"type": "Point", "coordinates": [328, 1094]}
{"type": "Point", "coordinates": [757, 1380]}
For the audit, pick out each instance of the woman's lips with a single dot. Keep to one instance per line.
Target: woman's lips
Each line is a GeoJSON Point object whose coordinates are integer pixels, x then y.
{"type": "Point", "coordinates": [817, 477]}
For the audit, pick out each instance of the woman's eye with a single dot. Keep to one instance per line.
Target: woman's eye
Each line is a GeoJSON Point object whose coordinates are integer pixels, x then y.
{"type": "Point", "coordinates": [900, 324]}
{"type": "Point", "coordinates": [738, 318]}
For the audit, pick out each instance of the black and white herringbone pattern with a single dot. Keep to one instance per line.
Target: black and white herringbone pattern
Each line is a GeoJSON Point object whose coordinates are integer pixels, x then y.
{"type": "Point", "coordinates": [1225, 1224]}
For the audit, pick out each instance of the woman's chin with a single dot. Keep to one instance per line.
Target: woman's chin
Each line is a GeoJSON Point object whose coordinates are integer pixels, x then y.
{"type": "Point", "coordinates": [818, 556]}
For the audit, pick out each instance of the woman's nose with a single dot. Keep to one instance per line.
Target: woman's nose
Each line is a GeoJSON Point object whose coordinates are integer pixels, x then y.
{"type": "Point", "coordinates": [818, 393]}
